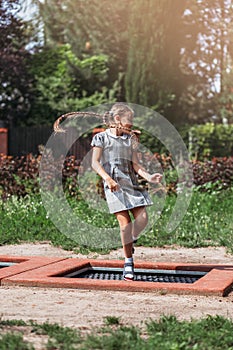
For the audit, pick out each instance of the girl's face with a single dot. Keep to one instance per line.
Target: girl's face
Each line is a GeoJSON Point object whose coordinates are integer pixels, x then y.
{"type": "Point", "coordinates": [126, 120]}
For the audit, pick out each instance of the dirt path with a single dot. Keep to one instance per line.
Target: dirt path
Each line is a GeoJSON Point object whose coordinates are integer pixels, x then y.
{"type": "Point", "coordinates": [85, 309]}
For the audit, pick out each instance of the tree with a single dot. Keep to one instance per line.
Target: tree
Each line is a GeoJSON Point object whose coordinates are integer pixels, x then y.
{"type": "Point", "coordinates": [64, 83]}
{"type": "Point", "coordinates": [137, 37]}
{"type": "Point", "coordinates": [224, 100]}
{"type": "Point", "coordinates": [206, 57]}
{"type": "Point", "coordinates": [90, 27]}
{"type": "Point", "coordinates": [14, 77]}
{"type": "Point", "coordinates": [171, 55]}
{"type": "Point", "coordinates": [153, 76]}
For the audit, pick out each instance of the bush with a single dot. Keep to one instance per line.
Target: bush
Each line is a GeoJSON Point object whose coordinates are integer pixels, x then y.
{"type": "Point", "coordinates": [213, 174]}
{"type": "Point", "coordinates": [210, 140]}
{"type": "Point", "coordinates": [19, 176]}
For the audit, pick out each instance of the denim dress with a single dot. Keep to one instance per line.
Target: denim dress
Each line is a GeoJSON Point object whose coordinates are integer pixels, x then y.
{"type": "Point", "coordinates": [117, 162]}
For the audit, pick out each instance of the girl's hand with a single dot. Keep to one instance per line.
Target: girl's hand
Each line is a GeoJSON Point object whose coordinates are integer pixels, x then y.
{"type": "Point", "coordinates": [113, 185]}
{"type": "Point", "coordinates": [155, 178]}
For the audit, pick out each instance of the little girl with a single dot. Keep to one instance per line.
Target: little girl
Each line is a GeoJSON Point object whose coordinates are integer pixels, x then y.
{"type": "Point", "coordinates": [115, 159]}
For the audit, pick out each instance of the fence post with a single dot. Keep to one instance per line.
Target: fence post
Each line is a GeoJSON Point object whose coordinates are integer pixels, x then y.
{"type": "Point", "coordinates": [4, 141]}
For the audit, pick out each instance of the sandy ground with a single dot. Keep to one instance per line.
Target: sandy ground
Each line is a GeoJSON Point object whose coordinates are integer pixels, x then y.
{"type": "Point", "coordinates": [86, 309]}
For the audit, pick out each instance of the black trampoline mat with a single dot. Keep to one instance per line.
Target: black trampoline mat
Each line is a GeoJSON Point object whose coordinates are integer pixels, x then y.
{"type": "Point", "coordinates": [140, 275]}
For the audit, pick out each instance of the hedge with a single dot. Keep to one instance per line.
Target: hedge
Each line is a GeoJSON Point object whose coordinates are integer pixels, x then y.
{"type": "Point", "coordinates": [210, 140]}
{"type": "Point", "coordinates": [19, 175]}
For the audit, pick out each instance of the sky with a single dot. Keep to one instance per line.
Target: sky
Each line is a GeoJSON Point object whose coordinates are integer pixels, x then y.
{"type": "Point", "coordinates": [28, 11]}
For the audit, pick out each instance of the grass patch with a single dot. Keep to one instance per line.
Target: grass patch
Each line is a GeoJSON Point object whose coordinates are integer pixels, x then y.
{"type": "Point", "coordinates": [210, 333]}
{"type": "Point", "coordinates": [25, 219]}
{"type": "Point", "coordinates": [112, 320]}
{"type": "Point", "coordinates": [11, 341]}
{"type": "Point", "coordinates": [64, 338]}
{"type": "Point", "coordinates": [208, 222]}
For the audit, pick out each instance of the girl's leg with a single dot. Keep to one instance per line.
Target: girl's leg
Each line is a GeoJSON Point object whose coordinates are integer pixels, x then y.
{"type": "Point", "coordinates": [140, 222]}
{"type": "Point", "coordinates": [126, 232]}
{"type": "Point", "coordinates": [126, 238]}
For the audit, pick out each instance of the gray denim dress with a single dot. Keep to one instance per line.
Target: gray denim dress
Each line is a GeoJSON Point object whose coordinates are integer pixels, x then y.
{"type": "Point", "coordinates": [117, 162]}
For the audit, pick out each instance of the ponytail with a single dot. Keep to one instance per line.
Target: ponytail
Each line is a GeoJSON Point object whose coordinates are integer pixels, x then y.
{"type": "Point", "coordinates": [57, 128]}
{"type": "Point", "coordinates": [107, 119]}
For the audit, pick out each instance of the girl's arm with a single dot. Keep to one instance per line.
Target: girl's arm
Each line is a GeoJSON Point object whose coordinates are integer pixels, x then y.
{"type": "Point", "coordinates": [96, 156]}
{"type": "Point", "coordinates": [155, 178]}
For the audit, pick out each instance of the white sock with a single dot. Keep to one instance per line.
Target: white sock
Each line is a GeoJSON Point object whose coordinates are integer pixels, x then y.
{"type": "Point", "coordinates": [134, 238]}
{"type": "Point", "coordinates": [128, 269]}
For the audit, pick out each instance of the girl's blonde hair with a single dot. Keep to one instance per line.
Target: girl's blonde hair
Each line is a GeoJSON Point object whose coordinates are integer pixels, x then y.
{"type": "Point", "coordinates": [120, 109]}
{"type": "Point", "coordinates": [107, 118]}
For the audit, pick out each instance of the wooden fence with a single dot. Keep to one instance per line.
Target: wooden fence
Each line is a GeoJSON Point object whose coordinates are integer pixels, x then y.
{"type": "Point", "coordinates": [25, 140]}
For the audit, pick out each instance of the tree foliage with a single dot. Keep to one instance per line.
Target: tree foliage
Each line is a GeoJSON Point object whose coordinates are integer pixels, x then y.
{"type": "Point", "coordinates": [136, 35]}
{"type": "Point", "coordinates": [170, 53]}
{"type": "Point", "coordinates": [206, 57]}
{"type": "Point", "coordinates": [14, 78]}
{"type": "Point", "coordinates": [153, 76]}
{"type": "Point", "coordinates": [224, 101]}
{"type": "Point", "coordinates": [174, 56]}
{"type": "Point", "coordinates": [90, 27]}
{"type": "Point", "coordinates": [63, 82]}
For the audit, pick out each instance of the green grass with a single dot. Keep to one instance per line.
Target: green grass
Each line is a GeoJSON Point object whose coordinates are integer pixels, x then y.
{"type": "Point", "coordinates": [25, 219]}
{"type": "Point", "coordinates": [167, 333]}
{"type": "Point", "coordinates": [11, 341]}
{"type": "Point", "coordinates": [112, 320]}
{"type": "Point", "coordinates": [208, 222]}
{"type": "Point", "coordinates": [64, 338]}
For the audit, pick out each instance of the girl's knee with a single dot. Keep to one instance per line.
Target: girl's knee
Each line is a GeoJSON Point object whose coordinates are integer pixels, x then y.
{"type": "Point", "coordinates": [143, 220]}
{"type": "Point", "coordinates": [142, 217]}
{"type": "Point", "coordinates": [123, 219]}
{"type": "Point", "coordinates": [140, 223]}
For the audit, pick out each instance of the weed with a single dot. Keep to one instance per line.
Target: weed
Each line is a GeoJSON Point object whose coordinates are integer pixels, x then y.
{"type": "Point", "coordinates": [210, 333]}
{"type": "Point", "coordinates": [112, 320]}
{"type": "Point", "coordinates": [14, 341]}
